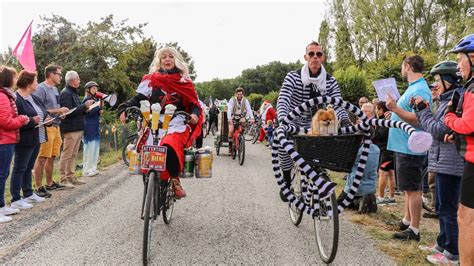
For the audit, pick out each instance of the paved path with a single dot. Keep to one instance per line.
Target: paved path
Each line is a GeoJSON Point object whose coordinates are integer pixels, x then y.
{"type": "Point", "coordinates": [234, 217]}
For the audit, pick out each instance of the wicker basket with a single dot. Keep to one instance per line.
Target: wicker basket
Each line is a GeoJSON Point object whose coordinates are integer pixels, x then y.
{"type": "Point", "coordinates": [335, 152]}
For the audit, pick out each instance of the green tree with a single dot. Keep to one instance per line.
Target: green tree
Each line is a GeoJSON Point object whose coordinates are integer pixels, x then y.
{"type": "Point", "coordinates": [352, 82]}
{"type": "Point", "coordinates": [255, 100]}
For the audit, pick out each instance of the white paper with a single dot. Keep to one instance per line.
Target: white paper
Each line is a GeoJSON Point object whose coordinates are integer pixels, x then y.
{"type": "Point", "coordinates": [384, 87]}
{"type": "Point", "coordinates": [46, 122]}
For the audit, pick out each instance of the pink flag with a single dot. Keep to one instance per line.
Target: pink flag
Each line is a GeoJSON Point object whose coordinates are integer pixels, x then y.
{"type": "Point", "coordinates": [24, 51]}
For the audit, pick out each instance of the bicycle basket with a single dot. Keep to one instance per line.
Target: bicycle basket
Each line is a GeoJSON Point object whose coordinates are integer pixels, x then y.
{"type": "Point", "coordinates": [335, 152]}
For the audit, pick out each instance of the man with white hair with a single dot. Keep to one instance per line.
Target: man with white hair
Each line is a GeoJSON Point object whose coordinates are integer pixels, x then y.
{"type": "Point", "coordinates": [72, 127]}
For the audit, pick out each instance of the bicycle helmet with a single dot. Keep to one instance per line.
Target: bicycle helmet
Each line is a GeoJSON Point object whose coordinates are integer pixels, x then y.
{"type": "Point", "coordinates": [447, 70]}
{"type": "Point", "coordinates": [90, 84]}
{"type": "Point", "coordinates": [465, 45]}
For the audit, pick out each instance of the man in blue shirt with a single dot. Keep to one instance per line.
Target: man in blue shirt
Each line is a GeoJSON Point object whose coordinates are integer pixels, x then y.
{"type": "Point", "coordinates": [409, 165]}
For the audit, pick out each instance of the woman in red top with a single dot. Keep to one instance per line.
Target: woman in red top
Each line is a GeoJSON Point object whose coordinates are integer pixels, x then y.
{"type": "Point", "coordinates": [10, 123]}
{"type": "Point", "coordinates": [461, 121]}
{"type": "Point", "coordinates": [168, 83]}
{"type": "Point", "coordinates": [268, 115]}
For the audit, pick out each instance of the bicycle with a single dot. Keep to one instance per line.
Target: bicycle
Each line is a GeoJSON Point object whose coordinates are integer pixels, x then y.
{"type": "Point", "coordinates": [238, 142]}
{"type": "Point", "coordinates": [158, 195]}
{"type": "Point", "coordinates": [312, 155]}
{"type": "Point", "coordinates": [251, 133]}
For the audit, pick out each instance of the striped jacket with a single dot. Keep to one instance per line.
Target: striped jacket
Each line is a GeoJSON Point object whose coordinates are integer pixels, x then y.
{"type": "Point", "coordinates": [292, 94]}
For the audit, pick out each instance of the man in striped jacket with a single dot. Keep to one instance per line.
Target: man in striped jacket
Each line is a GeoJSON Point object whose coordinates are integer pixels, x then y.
{"type": "Point", "coordinates": [301, 85]}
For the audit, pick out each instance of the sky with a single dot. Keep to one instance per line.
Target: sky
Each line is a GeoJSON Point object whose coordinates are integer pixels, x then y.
{"type": "Point", "coordinates": [223, 37]}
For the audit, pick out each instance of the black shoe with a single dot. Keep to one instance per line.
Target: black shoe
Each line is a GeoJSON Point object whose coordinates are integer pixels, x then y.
{"type": "Point", "coordinates": [282, 197]}
{"type": "Point", "coordinates": [55, 186]}
{"type": "Point", "coordinates": [42, 192]}
{"type": "Point", "coordinates": [407, 235]}
{"type": "Point", "coordinates": [430, 215]}
{"type": "Point", "coordinates": [403, 226]}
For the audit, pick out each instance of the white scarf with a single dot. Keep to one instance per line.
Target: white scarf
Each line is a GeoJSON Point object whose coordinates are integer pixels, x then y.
{"type": "Point", "coordinates": [319, 81]}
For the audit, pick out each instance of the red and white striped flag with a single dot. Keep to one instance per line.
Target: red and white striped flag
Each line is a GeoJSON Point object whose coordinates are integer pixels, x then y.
{"type": "Point", "coordinates": [24, 51]}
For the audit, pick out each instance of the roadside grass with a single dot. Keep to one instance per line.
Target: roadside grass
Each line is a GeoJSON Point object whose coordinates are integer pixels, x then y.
{"type": "Point", "coordinates": [105, 159]}
{"type": "Point", "coordinates": [381, 226]}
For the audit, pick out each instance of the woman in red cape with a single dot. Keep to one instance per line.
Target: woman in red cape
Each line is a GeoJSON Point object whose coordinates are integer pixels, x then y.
{"type": "Point", "coordinates": [168, 83]}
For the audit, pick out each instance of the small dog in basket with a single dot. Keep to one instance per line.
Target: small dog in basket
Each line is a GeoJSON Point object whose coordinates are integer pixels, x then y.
{"type": "Point", "coordinates": [324, 122]}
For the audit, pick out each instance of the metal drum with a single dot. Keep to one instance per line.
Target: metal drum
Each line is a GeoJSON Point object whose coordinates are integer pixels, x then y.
{"type": "Point", "coordinates": [188, 169]}
{"type": "Point", "coordinates": [203, 163]}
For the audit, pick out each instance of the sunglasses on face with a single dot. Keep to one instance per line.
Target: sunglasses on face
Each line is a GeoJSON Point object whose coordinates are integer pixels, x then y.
{"type": "Point", "coordinates": [318, 54]}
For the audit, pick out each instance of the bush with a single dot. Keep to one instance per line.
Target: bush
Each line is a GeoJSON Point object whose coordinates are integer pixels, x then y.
{"type": "Point", "coordinates": [255, 100]}
{"type": "Point", "coordinates": [352, 82]}
{"type": "Point", "coordinates": [272, 97]}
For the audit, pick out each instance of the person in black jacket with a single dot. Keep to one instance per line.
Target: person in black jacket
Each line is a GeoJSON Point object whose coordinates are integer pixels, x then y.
{"type": "Point", "coordinates": [72, 127]}
{"type": "Point", "coordinates": [31, 136]}
{"type": "Point", "coordinates": [386, 169]}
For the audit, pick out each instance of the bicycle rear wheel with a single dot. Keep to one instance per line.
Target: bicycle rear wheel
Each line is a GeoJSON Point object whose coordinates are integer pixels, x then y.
{"type": "Point", "coordinates": [296, 215]}
{"type": "Point", "coordinates": [241, 150]}
{"type": "Point", "coordinates": [149, 216]}
{"type": "Point", "coordinates": [326, 228]}
{"type": "Point", "coordinates": [132, 139]}
{"type": "Point", "coordinates": [168, 205]}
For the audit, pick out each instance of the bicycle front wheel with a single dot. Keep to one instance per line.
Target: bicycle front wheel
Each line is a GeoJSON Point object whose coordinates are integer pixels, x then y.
{"type": "Point", "coordinates": [296, 215]}
{"type": "Point", "coordinates": [241, 150]}
{"type": "Point", "coordinates": [149, 216]}
{"type": "Point", "coordinates": [326, 228]}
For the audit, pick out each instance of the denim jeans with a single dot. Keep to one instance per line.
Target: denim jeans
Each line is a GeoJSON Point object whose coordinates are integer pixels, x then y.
{"type": "Point", "coordinates": [25, 157]}
{"type": "Point", "coordinates": [6, 155]}
{"type": "Point", "coordinates": [447, 193]}
{"type": "Point", "coordinates": [90, 156]}
{"type": "Point", "coordinates": [369, 179]}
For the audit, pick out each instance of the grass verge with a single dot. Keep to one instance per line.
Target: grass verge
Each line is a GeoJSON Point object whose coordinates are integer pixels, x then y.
{"type": "Point", "coordinates": [381, 226]}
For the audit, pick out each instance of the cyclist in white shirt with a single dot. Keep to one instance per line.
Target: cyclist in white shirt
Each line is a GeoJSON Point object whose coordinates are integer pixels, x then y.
{"type": "Point", "coordinates": [238, 110]}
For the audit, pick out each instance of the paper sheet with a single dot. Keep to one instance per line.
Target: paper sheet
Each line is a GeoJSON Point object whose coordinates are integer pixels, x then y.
{"type": "Point", "coordinates": [384, 87]}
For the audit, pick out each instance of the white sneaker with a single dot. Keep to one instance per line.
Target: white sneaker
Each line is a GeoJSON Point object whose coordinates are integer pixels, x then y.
{"type": "Point", "coordinates": [34, 199]}
{"type": "Point", "coordinates": [8, 210]}
{"type": "Point", "coordinates": [21, 204]}
{"type": "Point", "coordinates": [5, 219]}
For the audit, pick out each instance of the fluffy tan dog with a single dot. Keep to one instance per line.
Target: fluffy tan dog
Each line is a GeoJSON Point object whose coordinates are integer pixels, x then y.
{"type": "Point", "coordinates": [324, 122]}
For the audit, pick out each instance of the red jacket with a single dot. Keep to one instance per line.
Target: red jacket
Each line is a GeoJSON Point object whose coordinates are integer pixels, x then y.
{"type": "Point", "coordinates": [464, 125]}
{"type": "Point", "coordinates": [10, 121]}
{"type": "Point", "coordinates": [270, 115]}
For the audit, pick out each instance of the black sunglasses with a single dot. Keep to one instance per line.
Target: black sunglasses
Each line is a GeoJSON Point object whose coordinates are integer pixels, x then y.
{"type": "Point", "coordinates": [318, 54]}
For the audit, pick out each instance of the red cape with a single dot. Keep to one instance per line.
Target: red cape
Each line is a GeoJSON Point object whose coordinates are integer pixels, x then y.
{"type": "Point", "coordinates": [174, 83]}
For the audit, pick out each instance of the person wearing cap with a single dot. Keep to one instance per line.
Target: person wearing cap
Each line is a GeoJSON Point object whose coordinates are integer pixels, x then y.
{"type": "Point", "coordinates": [460, 118]}
{"type": "Point", "coordinates": [91, 137]}
{"type": "Point", "coordinates": [268, 116]}
{"type": "Point", "coordinates": [445, 161]}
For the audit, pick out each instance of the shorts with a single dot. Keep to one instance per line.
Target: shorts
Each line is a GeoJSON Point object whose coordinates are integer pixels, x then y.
{"type": "Point", "coordinates": [467, 185]}
{"type": "Point", "coordinates": [409, 171]}
{"type": "Point", "coordinates": [386, 161]}
{"type": "Point", "coordinates": [52, 147]}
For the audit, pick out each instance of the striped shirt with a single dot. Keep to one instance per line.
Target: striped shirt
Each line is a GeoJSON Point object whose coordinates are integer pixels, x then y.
{"type": "Point", "coordinates": [292, 94]}
{"type": "Point", "coordinates": [42, 131]}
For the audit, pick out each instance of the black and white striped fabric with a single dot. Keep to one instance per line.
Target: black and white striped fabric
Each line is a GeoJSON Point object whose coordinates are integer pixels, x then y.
{"type": "Point", "coordinates": [307, 172]}
{"type": "Point", "coordinates": [293, 93]}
